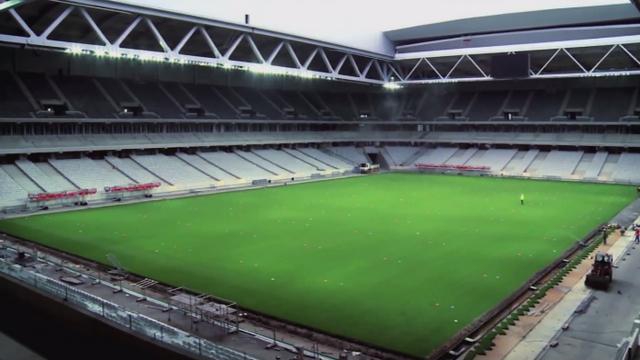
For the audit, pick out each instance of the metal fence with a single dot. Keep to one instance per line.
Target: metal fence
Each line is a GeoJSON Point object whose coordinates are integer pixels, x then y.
{"type": "Point", "coordinates": [138, 323]}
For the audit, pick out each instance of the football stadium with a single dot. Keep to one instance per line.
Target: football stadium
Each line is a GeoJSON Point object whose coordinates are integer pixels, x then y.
{"type": "Point", "coordinates": [243, 180]}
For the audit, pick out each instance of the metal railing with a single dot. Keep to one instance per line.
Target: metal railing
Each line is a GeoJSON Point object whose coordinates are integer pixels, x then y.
{"type": "Point", "coordinates": [116, 314]}
{"type": "Point", "coordinates": [628, 347]}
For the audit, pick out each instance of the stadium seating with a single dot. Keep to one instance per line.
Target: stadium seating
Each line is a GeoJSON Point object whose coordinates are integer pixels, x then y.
{"type": "Point", "coordinates": [260, 103]}
{"type": "Point", "coordinates": [211, 101]}
{"type": "Point", "coordinates": [132, 170]}
{"type": "Point", "coordinates": [154, 99]}
{"type": "Point", "coordinates": [533, 169]}
{"type": "Point", "coordinates": [100, 97]}
{"type": "Point", "coordinates": [267, 165]}
{"type": "Point", "coordinates": [590, 165]}
{"type": "Point", "coordinates": [45, 176]}
{"type": "Point", "coordinates": [339, 105]}
{"type": "Point", "coordinates": [87, 173]}
{"type": "Point", "coordinates": [11, 193]}
{"type": "Point", "coordinates": [116, 92]}
{"type": "Point", "coordinates": [83, 94]}
{"type": "Point", "coordinates": [436, 156]}
{"type": "Point", "coordinates": [627, 168]}
{"type": "Point", "coordinates": [350, 154]}
{"type": "Point", "coordinates": [39, 86]}
{"type": "Point", "coordinates": [300, 105]}
{"type": "Point", "coordinates": [232, 134]}
{"type": "Point", "coordinates": [235, 165]}
{"type": "Point", "coordinates": [496, 159]}
{"type": "Point", "coordinates": [609, 102]}
{"type": "Point", "coordinates": [486, 105]}
{"type": "Point", "coordinates": [544, 105]}
{"type": "Point", "coordinates": [560, 163]}
{"type": "Point", "coordinates": [609, 167]}
{"type": "Point", "coordinates": [433, 107]}
{"type": "Point", "coordinates": [400, 154]}
{"type": "Point", "coordinates": [288, 162]}
{"type": "Point", "coordinates": [318, 165]}
{"type": "Point", "coordinates": [323, 157]}
{"type": "Point", "coordinates": [173, 171]}
{"type": "Point", "coordinates": [516, 104]}
{"type": "Point", "coordinates": [13, 102]}
{"type": "Point", "coordinates": [206, 167]}
{"type": "Point", "coordinates": [231, 97]}
{"type": "Point", "coordinates": [461, 157]}
{"type": "Point", "coordinates": [520, 162]}
{"type": "Point", "coordinates": [21, 179]}
{"type": "Point", "coordinates": [319, 106]}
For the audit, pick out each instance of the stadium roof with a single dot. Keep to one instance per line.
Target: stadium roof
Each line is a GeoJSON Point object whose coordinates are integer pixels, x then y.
{"type": "Point", "coordinates": [359, 24]}
{"type": "Point", "coordinates": [530, 20]}
{"type": "Point", "coordinates": [339, 40]}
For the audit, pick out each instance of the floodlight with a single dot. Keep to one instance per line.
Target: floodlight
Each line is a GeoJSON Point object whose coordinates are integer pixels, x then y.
{"type": "Point", "coordinates": [391, 86]}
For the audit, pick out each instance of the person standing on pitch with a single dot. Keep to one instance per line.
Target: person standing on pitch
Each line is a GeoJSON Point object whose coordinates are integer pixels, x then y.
{"type": "Point", "coordinates": [637, 240]}
{"type": "Point", "coordinates": [521, 199]}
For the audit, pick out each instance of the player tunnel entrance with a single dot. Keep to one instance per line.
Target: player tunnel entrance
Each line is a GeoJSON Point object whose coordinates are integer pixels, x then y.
{"type": "Point", "coordinates": [374, 158]}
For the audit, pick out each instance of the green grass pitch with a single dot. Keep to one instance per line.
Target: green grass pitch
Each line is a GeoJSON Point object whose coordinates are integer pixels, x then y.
{"type": "Point", "coordinates": [402, 261]}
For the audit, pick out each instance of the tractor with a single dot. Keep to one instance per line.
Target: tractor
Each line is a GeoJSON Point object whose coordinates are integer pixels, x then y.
{"type": "Point", "coordinates": [601, 273]}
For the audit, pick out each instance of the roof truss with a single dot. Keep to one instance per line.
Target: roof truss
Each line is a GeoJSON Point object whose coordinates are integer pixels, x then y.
{"type": "Point", "coordinates": [621, 60]}
{"type": "Point", "coordinates": [219, 52]}
{"type": "Point", "coordinates": [222, 45]}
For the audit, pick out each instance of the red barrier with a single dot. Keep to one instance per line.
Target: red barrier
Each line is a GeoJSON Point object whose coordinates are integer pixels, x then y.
{"type": "Point", "coordinates": [61, 195]}
{"type": "Point", "coordinates": [132, 188]}
{"type": "Point", "coordinates": [452, 167]}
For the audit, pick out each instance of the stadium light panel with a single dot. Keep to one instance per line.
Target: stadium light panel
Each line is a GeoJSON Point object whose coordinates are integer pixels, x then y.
{"type": "Point", "coordinates": [74, 51]}
{"type": "Point", "coordinates": [262, 69]}
{"type": "Point", "coordinates": [391, 86]}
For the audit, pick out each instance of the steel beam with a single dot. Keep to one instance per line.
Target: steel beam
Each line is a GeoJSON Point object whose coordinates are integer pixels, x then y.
{"type": "Point", "coordinates": [388, 70]}
{"type": "Point", "coordinates": [10, 4]}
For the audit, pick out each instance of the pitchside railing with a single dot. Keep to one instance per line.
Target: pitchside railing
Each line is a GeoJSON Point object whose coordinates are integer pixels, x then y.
{"type": "Point", "coordinates": [628, 347]}
{"type": "Point", "coordinates": [116, 314]}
